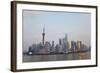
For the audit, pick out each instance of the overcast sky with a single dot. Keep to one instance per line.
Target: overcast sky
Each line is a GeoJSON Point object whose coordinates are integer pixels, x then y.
{"type": "Point", "coordinates": [76, 25]}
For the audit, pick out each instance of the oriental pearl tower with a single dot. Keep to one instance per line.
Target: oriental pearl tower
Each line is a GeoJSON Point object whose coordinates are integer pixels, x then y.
{"type": "Point", "coordinates": [43, 36]}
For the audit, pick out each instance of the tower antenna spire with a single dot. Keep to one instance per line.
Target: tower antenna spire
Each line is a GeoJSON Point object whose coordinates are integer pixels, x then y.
{"type": "Point", "coordinates": [44, 28]}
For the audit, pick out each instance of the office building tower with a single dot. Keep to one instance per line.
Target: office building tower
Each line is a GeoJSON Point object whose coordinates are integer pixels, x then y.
{"type": "Point", "coordinates": [68, 45]}
{"type": "Point", "coordinates": [66, 38]}
{"type": "Point", "coordinates": [73, 45]}
{"type": "Point", "coordinates": [59, 41]}
{"type": "Point", "coordinates": [52, 49]}
{"type": "Point", "coordinates": [47, 46]}
{"type": "Point", "coordinates": [78, 45]}
{"type": "Point", "coordinates": [52, 43]}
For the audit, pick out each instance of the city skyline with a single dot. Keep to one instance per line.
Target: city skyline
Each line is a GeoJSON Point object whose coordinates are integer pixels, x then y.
{"type": "Point", "coordinates": [34, 21]}
{"type": "Point", "coordinates": [64, 46]}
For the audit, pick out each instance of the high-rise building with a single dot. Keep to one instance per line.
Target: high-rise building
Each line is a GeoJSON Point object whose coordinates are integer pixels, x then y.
{"type": "Point", "coordinates": [52, 43]}
{"type": "Point", "coordinates": [52, 48]}
{"type": "Point", "coordinates": [78, 45]}
{"type": "Point", "coordinates": [68, 45]}
{"type": "Point", "coordinates": [47, 46]}
{"type": "Point", "coordinates": [59, 41]}
{"type": "Point", "coordinates": [66, 38]}
{"type": "Point", "coordinates": [66, 41]}
{"type": "Point", "coordinates": [43, 36]}
{"type": "Point", "coordinates": [73, 45]}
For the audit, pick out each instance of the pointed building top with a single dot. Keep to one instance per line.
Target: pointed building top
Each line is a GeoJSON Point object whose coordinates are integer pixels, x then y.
{"type": "Point", "coordinates": [44, 28]}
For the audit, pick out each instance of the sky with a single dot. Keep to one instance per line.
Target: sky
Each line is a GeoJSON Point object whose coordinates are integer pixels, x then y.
{"type": "Point", "coordinates": [76, 25]}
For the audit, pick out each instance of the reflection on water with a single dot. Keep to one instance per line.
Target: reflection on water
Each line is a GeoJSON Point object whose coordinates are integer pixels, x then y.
{"type": "Point", "coordinates": [57, 57]}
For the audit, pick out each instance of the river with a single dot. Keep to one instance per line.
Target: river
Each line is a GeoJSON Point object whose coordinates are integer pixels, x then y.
{"type": "Point", "coordinates": [57, 57]}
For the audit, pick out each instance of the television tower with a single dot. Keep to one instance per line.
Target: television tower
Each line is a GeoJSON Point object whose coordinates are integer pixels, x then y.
{"type": "Point", "coordinates": [43, 36]}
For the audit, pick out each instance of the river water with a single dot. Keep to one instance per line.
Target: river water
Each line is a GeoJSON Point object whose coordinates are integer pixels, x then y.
{"type": "Point", "coordinates": [57, 57]}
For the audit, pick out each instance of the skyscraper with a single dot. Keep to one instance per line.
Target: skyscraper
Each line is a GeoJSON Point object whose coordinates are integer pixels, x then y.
{"type": "Point", "coordinates": [53, 44]}
{"type": "Point", "coordinates": [66, 38]}
{"type": "Point", "coordinates": [59, 41]}
{"type": "Point", "coordinates": [78, 45]}
{"type": "Point", "coordinates": [73, 45]}
{"type": "Point", "coordinates": [43, 36]}
{"type": "Point", "coordinates": [66, 45]}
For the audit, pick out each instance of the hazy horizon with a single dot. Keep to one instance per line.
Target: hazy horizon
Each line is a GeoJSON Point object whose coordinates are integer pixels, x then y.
{"type": "Point", "coordinates": [76, 25]}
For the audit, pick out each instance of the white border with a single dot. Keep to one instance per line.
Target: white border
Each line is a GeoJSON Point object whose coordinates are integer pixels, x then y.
{"type": "Point", "coordinates": [21, 65]}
